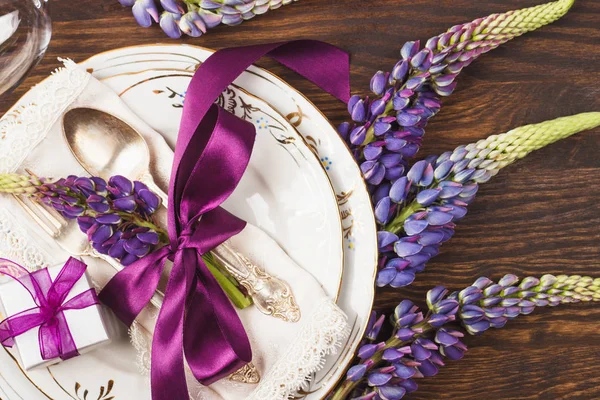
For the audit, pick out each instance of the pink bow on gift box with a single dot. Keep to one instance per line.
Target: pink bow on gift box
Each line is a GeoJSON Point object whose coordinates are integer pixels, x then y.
{"type": "Point", "coordinates": [54, 336]}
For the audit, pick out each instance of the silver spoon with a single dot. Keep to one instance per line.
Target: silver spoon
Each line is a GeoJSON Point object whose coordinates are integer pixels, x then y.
{"type": "Point", "coordinates": [105, 146]}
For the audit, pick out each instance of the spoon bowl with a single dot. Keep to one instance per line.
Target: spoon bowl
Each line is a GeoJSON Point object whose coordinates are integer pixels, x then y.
{"type": "Point", "coordinates": [105, 146]}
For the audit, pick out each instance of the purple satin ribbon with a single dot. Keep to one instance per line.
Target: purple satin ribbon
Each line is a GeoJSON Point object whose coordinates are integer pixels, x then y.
{"type": "Point", "coordinates": [212, 152]}
{"type": "Point", "coordinates": [54, 336]}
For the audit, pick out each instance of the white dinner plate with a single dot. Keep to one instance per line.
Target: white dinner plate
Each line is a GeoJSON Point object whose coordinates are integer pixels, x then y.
{"type": "Point", "coordinates": [127, 69]}
{"type": "Point", "coordinates": [294, 203]}
{"type": "Point", "coordinates": [152, 81]}
{"type": "Point", "coordinates": [285, 191]}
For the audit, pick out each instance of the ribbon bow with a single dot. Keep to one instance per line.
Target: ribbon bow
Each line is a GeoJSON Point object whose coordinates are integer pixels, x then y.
{"type": "Point", "coordinates": [54, 335]}
{"type": "Point", "coordinates": [212, 152]}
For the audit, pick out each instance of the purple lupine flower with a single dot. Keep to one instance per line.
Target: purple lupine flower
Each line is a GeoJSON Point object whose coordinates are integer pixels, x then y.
{"type": "Point", "coordinates": [146, 200]}
{"type": "Point", "coordinates": [176, 16]}
{"type": "Point", "coordinates": [418, 344]}
{"type": "Point", "coordinates": [378, 83]}
{"type": "Point", "coordinates": [211, 19]}
{"type": "Point", "coordinates": [429, 220]}
{"type": "Point", "coordinates": [119, 186]}
{"type": "Point", "coordinates": [443, 310]}
{"type": "Point", "coordinates": [174, 6]}
{"type": "Point", "coordinates": [118, 217]}
{"type": "Point", "coordinates": [169, 23]}
{"type": "Point", "coordinates": [450, 345]}
{"type": "Point", "coordinates": [486, 304]}
{"type": "Point", "coordinates": [356, 372]}
{"type": "Point", "coordinates": [107, 213]}
{"type": "Point", "coordinates": [415, 350]}
{"type": "Point", "coordinates": [192, 24]}
{"type": "Point", "coordinates": [391, 125]}
{"type": "Point", "coordinates": [145, 11]}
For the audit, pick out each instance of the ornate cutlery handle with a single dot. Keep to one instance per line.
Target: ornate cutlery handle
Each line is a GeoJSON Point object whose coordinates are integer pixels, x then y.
{"type": "Point", "coordinates": [271, 295]}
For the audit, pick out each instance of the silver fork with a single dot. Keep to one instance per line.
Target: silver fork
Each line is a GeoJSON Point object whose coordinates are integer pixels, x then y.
{"type": "Point", "coordinates": [67, 234]}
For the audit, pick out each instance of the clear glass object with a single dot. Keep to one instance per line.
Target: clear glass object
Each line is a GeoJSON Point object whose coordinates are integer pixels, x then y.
{"type": "Point", "coordinates": [25, 31]}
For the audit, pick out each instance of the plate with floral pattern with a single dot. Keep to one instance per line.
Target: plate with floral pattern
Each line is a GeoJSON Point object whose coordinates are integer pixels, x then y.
{"type": "Point", "coordinates": [285, 191]}
{"type": "Point", "coordinates": [163, 71]}
{"type": "Point", "coordinates": [152, 80]}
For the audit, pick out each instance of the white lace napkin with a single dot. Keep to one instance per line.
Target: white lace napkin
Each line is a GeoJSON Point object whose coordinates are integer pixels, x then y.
{"type": "Point", "coordinates": [285, 353]}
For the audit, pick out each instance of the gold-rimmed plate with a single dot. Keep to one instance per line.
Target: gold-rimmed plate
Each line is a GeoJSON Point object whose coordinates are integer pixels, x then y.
{"type": "Point", "coordinates": [163, 72]}
{"type": "Point", "coordinates": [285, 191]}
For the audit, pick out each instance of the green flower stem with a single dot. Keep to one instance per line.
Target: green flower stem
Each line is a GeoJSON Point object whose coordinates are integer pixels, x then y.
{"type": "Point", "coordinates": [389, 110]}
{"type": "Point", "coordinates": [239, 299]}
{"type": "Point", "coordinates": [397, 223]}
{"type": "Point", "coordinates": [344, 390]}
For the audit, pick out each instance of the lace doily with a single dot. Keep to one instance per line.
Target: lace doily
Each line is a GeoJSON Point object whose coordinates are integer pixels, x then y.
{"type": "Point", "coordinates": [319, 337]}
{"type": "Point", "coordinates": [142, 342]}
{"type": "Point", "coordinates": [28, 122]}
{"type": "Point", "coordinates": [18, 246]}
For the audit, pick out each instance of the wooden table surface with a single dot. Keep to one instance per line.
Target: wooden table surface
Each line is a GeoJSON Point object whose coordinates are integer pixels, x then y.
{"type": "Point", "coordinates": [538, 216]}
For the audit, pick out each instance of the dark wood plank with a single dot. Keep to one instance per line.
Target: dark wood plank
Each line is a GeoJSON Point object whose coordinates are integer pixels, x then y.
{"type": "Point", "coordinates": [538, 216]}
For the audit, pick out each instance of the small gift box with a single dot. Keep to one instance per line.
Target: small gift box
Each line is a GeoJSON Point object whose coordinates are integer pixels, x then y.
{"type": "Point", "coordinates": [51, 314]}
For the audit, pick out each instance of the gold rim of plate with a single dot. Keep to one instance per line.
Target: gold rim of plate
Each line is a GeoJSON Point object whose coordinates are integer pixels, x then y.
{"type": "Point", "coordinates": [280, 81]}
{"type": "Point", "coordinates": [363, 329]}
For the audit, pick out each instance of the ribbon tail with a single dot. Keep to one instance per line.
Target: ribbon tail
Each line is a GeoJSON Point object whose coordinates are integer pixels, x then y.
{"type": "Point", "coordinates": [18, 324]}
{"type": "Point", "coordinates": [49, 340]}
{"type": "Point", "coordinates": [128, 292]}
{"type": "Point", "coordinates": [168, 371]}
{"type": "Point", "coordinates": [327, 66]}
{"type": "Point", "coordinates": [223, 347]}
{"type": "Point", "coordinates": [55, 339]}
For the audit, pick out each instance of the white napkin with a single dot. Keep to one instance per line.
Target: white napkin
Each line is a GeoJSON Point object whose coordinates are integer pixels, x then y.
{"type": "Point", "coordinates": [285, 353]}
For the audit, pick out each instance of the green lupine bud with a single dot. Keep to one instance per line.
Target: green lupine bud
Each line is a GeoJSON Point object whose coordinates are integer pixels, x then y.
{"type": "Point", "coordinates": [479, 311]}
{"type": "Point", "coordinates": [18, 184]}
